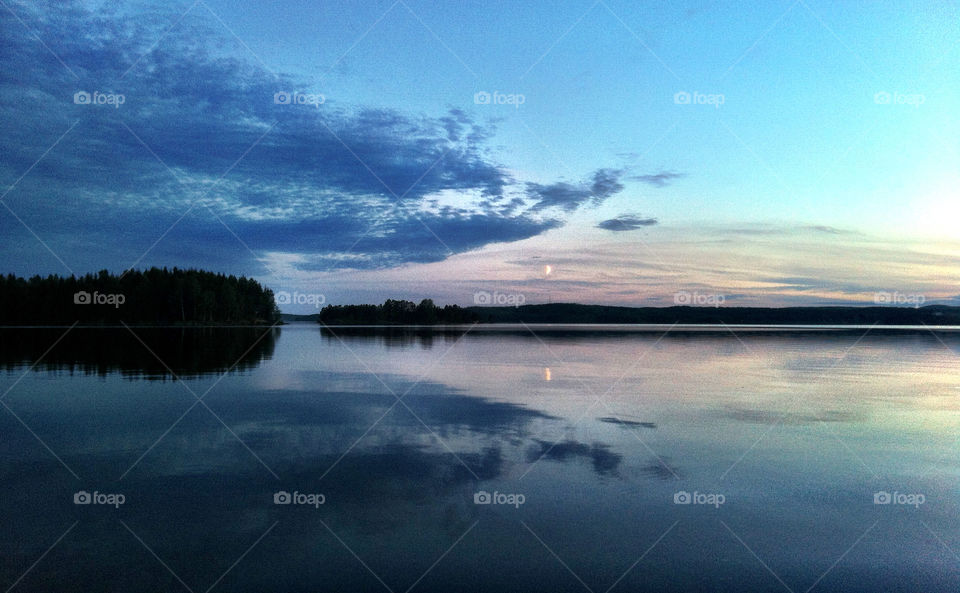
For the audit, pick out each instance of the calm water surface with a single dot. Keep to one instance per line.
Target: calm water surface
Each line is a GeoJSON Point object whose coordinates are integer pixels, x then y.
{"type": "Point", "coordinates": [773, 461]}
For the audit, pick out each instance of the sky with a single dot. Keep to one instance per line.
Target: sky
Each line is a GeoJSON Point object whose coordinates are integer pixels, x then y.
{"type": "Point", "coordinates": [601, 151]}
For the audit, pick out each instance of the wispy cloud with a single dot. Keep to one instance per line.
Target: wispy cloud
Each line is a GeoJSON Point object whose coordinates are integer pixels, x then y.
{"type": "Point", "coordinates": [568, 197]}
{"type": "Point", "coordinates": [661, 179]}
{"type": "Point", "coordinates": [626, 222]}
{"type": "Point", "coordinates": [771, 269]}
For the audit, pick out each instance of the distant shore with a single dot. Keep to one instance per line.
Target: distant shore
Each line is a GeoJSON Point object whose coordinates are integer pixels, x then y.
{"type": "Point", "coordinates": [576, 314]}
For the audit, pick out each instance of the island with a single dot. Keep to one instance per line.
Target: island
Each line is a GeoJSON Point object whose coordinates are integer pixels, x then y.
{"type": "Point", "coordinates": [156, 296]}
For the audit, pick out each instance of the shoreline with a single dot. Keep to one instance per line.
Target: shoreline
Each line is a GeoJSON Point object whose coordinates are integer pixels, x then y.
{"type": "Point", "coordinates": [506, 327]}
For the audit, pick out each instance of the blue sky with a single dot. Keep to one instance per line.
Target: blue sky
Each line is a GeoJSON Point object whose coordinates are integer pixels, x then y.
{"type": "Point", "coordinates": [771, 153]}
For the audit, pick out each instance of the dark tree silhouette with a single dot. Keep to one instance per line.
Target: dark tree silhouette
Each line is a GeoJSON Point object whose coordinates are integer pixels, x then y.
{"type": "Point", "coordinates": [394, 312]}
{"type": "Point", "coordinates": [931, 315]}
{"type": "Point", "coordinates": [157, 296]}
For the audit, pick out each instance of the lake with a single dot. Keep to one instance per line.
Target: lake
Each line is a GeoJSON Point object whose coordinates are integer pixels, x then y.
{"type": "Point", "coordinates": [458, 459]}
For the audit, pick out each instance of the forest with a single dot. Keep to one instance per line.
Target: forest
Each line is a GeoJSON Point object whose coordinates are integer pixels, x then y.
{"type": "Point", "coordinates": [393, 312]}
{"type": "Point", "coordinates": [931, 315]}
{"type": "Point", "coordinates": [157, 296]}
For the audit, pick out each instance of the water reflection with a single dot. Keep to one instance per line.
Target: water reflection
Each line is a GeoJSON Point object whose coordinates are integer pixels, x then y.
{"type": "Point", "coordinates": [660, 469]}
{"type": "Point", "coordinates": [400, 437]}
{"type": "Point", "coordinates": [149, 353]}
{"type": "Point", "coordinates": [781, 417]}
{"type": "Point", "coordinates": [604, 461]}
{"type": "Point", "coordinates": [392, 474]}
{"type": "Point", "coordinates": [394, 337]}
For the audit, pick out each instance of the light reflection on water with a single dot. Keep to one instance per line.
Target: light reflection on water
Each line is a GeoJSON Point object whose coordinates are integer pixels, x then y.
{"type": "Point", "coordinates": [599, 432]}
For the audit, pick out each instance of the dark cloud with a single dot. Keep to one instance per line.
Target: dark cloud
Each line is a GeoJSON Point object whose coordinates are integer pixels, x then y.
{"type": "Point", "coordinates": [200, 128]}
{"type": "Point", "coordinates": [568, 197]}
{"type": "Point", "coordinates": [658, 179]}
{"type": "Point", "coordinates": [626, 222]}
{"type": "Point", "coordinates": [627, 423]}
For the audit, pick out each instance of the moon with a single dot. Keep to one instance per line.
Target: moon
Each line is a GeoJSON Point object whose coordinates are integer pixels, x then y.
{"type": "Point", "coordinates": [547, 270]}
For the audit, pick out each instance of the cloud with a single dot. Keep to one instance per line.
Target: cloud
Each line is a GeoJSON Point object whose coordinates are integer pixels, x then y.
{"type": "Point", "coordinates": [200, 144]}
{"type": "Point", "coordinates": [820, 228]}
{"type": "Point", "coordinates": [661, 179]}
{"type": "Point", "coordinates": [626, 222]}
{"type": "Point", "coordinates": [568, 197]}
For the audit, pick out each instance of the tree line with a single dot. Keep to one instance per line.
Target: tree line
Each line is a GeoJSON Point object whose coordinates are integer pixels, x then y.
{"type": "Point", "coordinates": [931, 315]}
{"type": "Point", "coordinates": [393, 312]}
{"type": "Point", "coordinates": [157, 296]}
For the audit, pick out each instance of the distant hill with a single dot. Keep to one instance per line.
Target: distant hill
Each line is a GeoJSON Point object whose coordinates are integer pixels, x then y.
{"type": "Point", "coordinates": [574, 313]}
{"type": "Point", "coordinates": [291, 317]}
{"type": "Point", "coordinates": [426, 313]}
